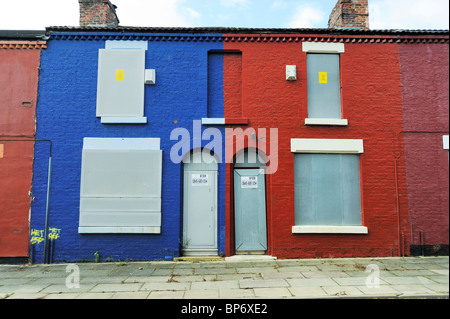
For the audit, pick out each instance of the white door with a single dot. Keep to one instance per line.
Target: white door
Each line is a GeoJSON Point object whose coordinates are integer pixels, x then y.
{"type": "Point", "coordinates": [200, 209]}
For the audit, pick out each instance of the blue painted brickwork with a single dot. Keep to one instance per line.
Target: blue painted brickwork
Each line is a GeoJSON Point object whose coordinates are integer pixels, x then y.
{"type": "Point", "coordinates": [66, 113]}
{"type": "Point", "coordinates": [215, 87]}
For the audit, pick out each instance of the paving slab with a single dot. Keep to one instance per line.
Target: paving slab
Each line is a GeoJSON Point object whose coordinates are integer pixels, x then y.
{"type": "Point", "coordinates": [93, 295]}
{"type": "Point", "coordinates": [166, 286]}
{"type": "Point", "coordinates": [211, 285]}
{"type": "Point", "coordinates": [62, 296]}
{"type": "Point", "coordinates": [272, 292]}
{"type": "Point", "coordinates": [131, 295]}
{"type": "Point", "coordinates": [382, 290]}
{"type": "Point", "coordinates": [438, 288]}
{"type": "Point", "coordinates": [312, 282]}
{"type": "Point", "coordinates": [339, 291]}
{"type": "Point", "coordinates": [24, 289]}
{"type": "Point", "coordinates": [308, 292]}
{"type": "Point", "coordinates": [355, 281]}
{"type": "Point", "coordinates": [116, 287]}
{"type": "Point", "coordinates": [282, 275]}
{"type": "Point", "coordinates": [325, 274]}
{"type": "Point", "coordinates": [443, 272]}
{"type": "Point", "coordinates": [236, 293]}
{"type": "Point", "coordinates": [213, 271]}
{"type": "Point", "coordinates": [412, 273]}
{"type": "Point", "coordinates": [166, 294]}
{"type": "Point", "coordinates": [413, 289]}
{"type": "Point", "coordinates": [27, 296]}
{"type": "Point", "coordinates": [408, 280]}
{"type": "Point", "coordinates": [55, 289]}
{"type": "Point", "coordinates": [259, 283]}
{"type": "Point", "coordinates": [201, 294]}
{"type": "Point", "coordinates": [297, 269]}
{"type": "Point", "coordinates": [136, 279]}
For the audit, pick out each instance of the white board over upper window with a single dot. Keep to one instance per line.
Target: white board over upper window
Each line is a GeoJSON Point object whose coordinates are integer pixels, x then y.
{"type": "Point", "coordinates": [121, 82]}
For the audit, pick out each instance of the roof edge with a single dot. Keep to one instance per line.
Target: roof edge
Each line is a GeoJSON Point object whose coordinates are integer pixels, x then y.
{"type": "Point", "coordinates": [237, 30]}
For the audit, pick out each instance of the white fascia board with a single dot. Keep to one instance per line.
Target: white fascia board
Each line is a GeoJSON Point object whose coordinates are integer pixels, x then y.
{"type": "Point", "coordinates": [120, 44]}
{"type": "Point", "coordinates": [323, 47]}
{"type": "Point", "coordinates": [153, 144]}
{"type": "Point", "coordinates": [333, 146]}
{"type": "Point", "coordinates": [330, 230]}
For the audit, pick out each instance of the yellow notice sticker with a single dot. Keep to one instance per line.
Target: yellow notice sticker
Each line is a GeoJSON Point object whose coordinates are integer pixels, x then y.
{"type": "Point", "coordinates": [2, 148]}
{"type": "Point", "coordinates": [120, 75]}
{"type": "Point", "coordinates": [323, 77]}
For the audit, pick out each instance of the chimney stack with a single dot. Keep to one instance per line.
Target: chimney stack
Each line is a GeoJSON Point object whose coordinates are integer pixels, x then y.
{"type": "Point", "coordinates": [350, 14]}
{"type": "Point", "coordinates": [98, 13]}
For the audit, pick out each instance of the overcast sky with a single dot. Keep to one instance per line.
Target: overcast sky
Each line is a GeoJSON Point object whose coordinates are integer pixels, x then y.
{"type": "Point", "coordinates": [384, 14]}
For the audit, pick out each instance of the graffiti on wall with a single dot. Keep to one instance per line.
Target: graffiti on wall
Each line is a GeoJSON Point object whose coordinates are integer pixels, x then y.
{"type": "Point", "coordinates": [37, 235]}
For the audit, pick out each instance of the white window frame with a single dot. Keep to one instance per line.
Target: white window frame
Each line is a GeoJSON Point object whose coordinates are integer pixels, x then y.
{"type": "Point", "coordinates": [328, 146]}
{"type": "Point", "coordinates": [324, 48]}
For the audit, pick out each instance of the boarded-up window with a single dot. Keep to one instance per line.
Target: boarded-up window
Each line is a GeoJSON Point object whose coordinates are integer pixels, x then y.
{"type": "Point", "coordinates": [120, 186]}
{"type": "Point", "coordinates": [120, 86]}
{"type": "Point", "coordinates": [324, 89]}
{"type": "Point", "coordinates": [327, 189]}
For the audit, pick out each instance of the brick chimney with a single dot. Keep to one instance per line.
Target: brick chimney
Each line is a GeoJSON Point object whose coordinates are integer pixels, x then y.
{"type": "Point", "coordinates": [350, 14]}
{"type": "Point", "coordinates": [98, 13]}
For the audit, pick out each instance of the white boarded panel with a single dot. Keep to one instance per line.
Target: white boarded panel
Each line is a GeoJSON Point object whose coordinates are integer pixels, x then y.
{"type": "Point", "coordinates": [120, 184]}
{"type": "Point", "coordinates": [120, 86]}
{"type": "Point", "coordinates": [121, 173]}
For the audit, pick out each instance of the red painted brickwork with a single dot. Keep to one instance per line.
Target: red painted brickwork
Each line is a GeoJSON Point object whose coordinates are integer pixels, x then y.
{"type": "Point", "coordinates": [372, 102]}
{"type": "Point", "coordinates": [425, 89]}
{"type": "Point", "coordinates": [18, 95]}
{"type": "Point", "coordinates": [232, 69]}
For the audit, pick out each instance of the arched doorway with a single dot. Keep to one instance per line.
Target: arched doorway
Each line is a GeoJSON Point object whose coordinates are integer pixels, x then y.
{"type": "Point", "coordinates": [250, 225]}
{"type": "Point", "coordinates": [200, 204]}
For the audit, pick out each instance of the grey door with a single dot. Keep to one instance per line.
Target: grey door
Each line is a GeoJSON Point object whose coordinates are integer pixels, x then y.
{"type": "Point", "coordinates": [250, 210]}
{"type": "Point", "coordinates": [200, 209]}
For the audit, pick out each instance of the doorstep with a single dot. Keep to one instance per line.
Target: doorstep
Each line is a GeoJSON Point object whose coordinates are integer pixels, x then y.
{"type": "Point", "coordinates": [250, 258]}
{"type": "Point", "coordinates": [198, 258]}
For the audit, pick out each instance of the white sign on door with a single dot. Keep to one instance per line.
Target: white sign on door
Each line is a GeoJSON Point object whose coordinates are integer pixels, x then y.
{"type": "Point", "coordinates": [249, 182]}
{"type": "Point", "coordinates": [199, 180]}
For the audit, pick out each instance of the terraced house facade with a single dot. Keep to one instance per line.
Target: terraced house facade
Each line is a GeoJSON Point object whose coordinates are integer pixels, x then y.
{"type": "Point", "coordinates": [294, 143]}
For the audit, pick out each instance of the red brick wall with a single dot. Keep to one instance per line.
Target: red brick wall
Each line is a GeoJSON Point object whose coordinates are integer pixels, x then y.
{"type": "Point", "coordinates": [18, 95]}
{"type": "Point", "coordinates": [425, 90]}
{"type": "Point", "coordinates": [372, 103]}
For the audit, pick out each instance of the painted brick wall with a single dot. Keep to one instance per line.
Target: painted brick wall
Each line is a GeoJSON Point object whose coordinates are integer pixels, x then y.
{"type": "Point", "coordinates": [18, 94]}
{"type": "Point", "coordinates": [425, 90]}
{"type": "Point", "coordinates": [66, 114]}
{"type": "Point", "coordinates": [372, 103]}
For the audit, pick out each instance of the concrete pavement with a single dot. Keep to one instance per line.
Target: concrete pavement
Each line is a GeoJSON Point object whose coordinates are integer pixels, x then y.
{"type": "Point", "coordinates": [233, 278]}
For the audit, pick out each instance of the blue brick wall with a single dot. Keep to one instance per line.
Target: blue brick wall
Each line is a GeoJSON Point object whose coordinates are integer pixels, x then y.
{"type": "Point", "coordinates": [215, 87]}
{"type": "Point", "coordinates": [66, 113]}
